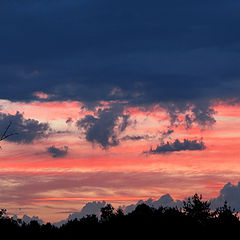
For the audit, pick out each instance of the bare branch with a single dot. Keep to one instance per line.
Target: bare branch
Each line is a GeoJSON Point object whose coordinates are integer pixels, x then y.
{"type": "Point", "coordinates": [8, 136]}
{"type": "Point", "coordinates": [5, 135]}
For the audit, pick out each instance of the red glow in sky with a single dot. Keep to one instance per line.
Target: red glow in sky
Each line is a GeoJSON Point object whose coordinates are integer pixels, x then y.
{"type": "Point", "coordinates": [35, 179]}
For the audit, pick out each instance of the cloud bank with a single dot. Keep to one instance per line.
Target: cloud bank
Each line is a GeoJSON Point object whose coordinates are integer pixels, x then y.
{"type": "Point", "coordinates": [182, 57]}
{"type": "Point", "coordinates": [229, 193]}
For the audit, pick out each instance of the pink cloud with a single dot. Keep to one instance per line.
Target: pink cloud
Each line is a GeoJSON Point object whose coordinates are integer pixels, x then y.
{"type": "Point", "coordinates": [41, 95]}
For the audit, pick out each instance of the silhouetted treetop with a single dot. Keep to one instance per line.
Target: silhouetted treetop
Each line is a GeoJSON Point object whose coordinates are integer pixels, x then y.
{"type": "Point", "coordinates": [107, 213]}
{"type": "Point", "coordinates": [197, 209]}
{"type": "Point", "coordinates": [226, 215]}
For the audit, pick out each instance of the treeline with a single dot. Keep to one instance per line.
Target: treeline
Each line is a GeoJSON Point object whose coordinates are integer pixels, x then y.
{"type": "Point", "coordinates": [195, 218]}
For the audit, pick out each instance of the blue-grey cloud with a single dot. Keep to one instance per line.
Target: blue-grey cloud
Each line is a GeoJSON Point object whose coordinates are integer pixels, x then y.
{"type": "Point", "coordinates": [106, 126]}
{"type": "Point", "coordinates": [229, 193]}
{"type": "Point", "coordinates": [177, 146]}
{"type": "Point", "coordinates": [27, 130]}
{"type": "Point", "coordinates": [90, 208]}
{"type": "Point", "coordinates": [56, 152]}
{"type": "Point", "coordinates": [26, 219]}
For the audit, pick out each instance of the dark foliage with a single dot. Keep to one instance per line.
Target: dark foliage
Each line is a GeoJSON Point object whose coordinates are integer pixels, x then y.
{"type": "Point", "coordinates": [195, 219]}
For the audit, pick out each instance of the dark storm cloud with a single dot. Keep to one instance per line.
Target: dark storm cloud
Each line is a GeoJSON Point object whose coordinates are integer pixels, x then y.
{"type": "Point", "coordinates": [106, 126]}
{"type": "Point", "coordinates": [27, 130]}
{"type": "Point", "coordinates": [177, 146]}
{"type": "Point", "coordinates": [179, 55]}
{"type": "Point", "coordinates": [151, 52]}
{"type": "Point", "coordinates": [57, 152]}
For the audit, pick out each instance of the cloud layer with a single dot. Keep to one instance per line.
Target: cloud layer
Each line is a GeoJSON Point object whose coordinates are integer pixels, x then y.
{"type": "Point", "coordinates": [150, 52]}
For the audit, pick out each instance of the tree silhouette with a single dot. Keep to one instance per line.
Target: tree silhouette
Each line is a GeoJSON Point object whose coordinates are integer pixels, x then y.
{"type": "Point", "coordinates": [119, 213]}
{"type": "Point", "coordinates": [89, 220]}
{"type": "Point", "coordinates": [3, 213]}
{"type": "Point", "coordinates": [197, 209]}
{"type": "Point", "coordinates": [226, 215]}
{"type": "Point", "coordinates": [144, 221]}
{"type": "Point", "coordinates": [107, 213]}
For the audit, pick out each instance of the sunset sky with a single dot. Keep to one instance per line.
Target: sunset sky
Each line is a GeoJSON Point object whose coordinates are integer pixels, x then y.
{"type": "Point", "coordinates": [118, 101]}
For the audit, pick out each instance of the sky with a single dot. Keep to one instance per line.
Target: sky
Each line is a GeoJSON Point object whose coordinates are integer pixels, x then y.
{"type": "Point", "coordinates": [117, 101]}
